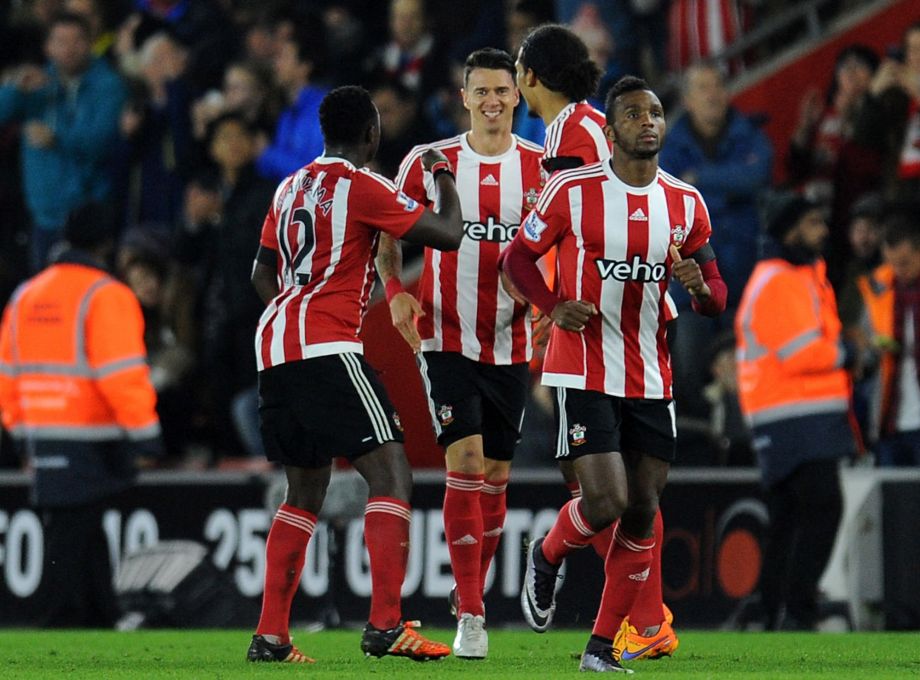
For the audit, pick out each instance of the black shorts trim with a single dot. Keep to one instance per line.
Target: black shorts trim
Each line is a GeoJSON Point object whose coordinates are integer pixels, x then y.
{"type": "Point", "coordinates": [593, 422]}
{"type": "Point", "coordinates": [313, 410]}
{"type": "Point", "coordinates": [467, 397]}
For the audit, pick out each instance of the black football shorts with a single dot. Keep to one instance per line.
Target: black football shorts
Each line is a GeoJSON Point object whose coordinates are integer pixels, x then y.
{"type": "Point", "coordinates": [594, 422]}
{"type": "Point", "coordinates": [468, 397]}
{"type": "Point", "coordinates": [313, 410]}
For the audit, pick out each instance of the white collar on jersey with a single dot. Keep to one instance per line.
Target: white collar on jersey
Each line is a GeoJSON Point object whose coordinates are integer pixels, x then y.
{"type": "Point", "coordinates": [566, 110]}
{"type": "Point", "coordinates": [329, 160]}
{"type": "Point", "coordinates": [628, 188]}
{"type": "Point", "coordinates": [467, 149]}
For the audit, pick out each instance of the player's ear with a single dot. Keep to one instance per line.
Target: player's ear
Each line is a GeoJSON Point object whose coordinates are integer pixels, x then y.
{"type": "Point", "coordinates": [466, 104]}
{"type": "Point", "coordinates": [610, 133]}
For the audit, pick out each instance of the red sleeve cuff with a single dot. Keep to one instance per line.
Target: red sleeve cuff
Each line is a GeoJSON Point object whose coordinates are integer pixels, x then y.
{"type": "Point", "coordinates": [718, 291]}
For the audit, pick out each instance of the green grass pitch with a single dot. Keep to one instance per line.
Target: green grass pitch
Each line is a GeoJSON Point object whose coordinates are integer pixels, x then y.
{"type": "Point", "coordinates": [219, 654]}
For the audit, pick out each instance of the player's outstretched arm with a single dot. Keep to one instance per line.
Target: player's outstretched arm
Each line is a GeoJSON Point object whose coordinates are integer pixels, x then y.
{"type": "Point", "coordinates": [442, 229]}
{"type": "Point", "coordinates": [404, 308]}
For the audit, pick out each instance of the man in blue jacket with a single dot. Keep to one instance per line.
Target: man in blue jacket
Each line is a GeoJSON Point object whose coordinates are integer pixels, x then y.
{"type": "Point", "coordinates": [298, 139]}
{"type": "Point", "coordinates": [69, 113]}
{"type": "Point", "coordinates": [730, 160]}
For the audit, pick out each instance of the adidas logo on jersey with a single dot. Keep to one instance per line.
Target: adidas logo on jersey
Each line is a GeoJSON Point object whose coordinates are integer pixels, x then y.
{"type": "Point", "coordinates": [469, 540]}
{"type": "Point", "coordinates": [641, 576]}
{"type": "Point", "coordinates": [490, 231]}
{"type": "Point", "coordinates": [636, 269]}
{"type": "Point", "coordinates": [638, 216]}
{"type": "Point", "coordinates": [489, 181]}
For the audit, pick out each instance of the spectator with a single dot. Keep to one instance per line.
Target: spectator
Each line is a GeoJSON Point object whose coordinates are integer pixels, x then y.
{"type": "Point", "coordinates": [723, 154]}
{"type": "Point", "coordinates": [727, 429]}
{"type": "Point", "coordinates": [401, 126]}
{"type": "Point", "coordinates": [230, 307]}
{"type": "Point", "coordinates": [157, 153]}
{"type": "Point", "coordinates": [70, 115]}
{"type": "Point", "coordinates": [297, 139]}
{"type": "Point", "coordinates": [98, 16]}
{"type": "Point", "coordinates": [826, 161]}
{"type": "Point", "coordinates": [864, 233]}
{"type": "Point", "coordinates": [795, 395]}
{"type": "Point", "coordinates": [411, 57]}
{"type": "Point", "coordinates": [248, 90]}
{"type": "Point", "coordinates": [75, 390]}
{"type": "Point", "coordinates": [891, 117]}
{"type": "Point", "coordinates": [892, 327]}
{"type": "Point", "coordinates": [145, 272]}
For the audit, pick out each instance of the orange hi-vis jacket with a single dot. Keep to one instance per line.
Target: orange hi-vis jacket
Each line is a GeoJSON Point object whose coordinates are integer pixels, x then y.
{"type": "Point", "coordinates": [74, 382]}
{"type": "Point", "coordinates": [790, 354]}
{"type": "Point", "coordinates": [877, 290]}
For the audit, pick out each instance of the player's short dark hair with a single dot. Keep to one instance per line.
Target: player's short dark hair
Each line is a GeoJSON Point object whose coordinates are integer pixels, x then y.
{"type": "Point", "coordinates": [621, 87]}
{"type": "Point", "coordinates": [560, 60]}
{"type": "Point", "coordinates": [345, 115]}
{"type": "Point", "coordinates": [490, 58]}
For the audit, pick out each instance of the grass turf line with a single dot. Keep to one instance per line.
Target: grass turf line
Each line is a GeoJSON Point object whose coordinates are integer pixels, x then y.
{"type": "Point", "coordinates": [220, 655]}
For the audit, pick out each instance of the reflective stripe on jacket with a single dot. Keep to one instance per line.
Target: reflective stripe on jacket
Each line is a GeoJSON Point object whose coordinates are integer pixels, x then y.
{"type": "Point", "coordinates": [74, 382]}
{"type": "Point", "coordinates": [790, 354]}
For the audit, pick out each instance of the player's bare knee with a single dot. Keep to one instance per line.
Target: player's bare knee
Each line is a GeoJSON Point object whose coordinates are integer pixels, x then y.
{"type": "Point", "coordinates": [602, 510]}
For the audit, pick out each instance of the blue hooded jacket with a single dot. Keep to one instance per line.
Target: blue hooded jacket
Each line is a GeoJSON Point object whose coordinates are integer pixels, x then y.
{"type": "Point", "coordinates": [730, 183]}
{"type": "Point", "coordinates": [75, 169]}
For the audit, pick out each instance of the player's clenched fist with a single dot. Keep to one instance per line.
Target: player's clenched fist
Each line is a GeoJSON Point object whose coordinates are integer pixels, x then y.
{"type": "Point", "coordinates": [688, 273]}
{"type": "Point", "coordinates": [431, 157]}
{"type": "Point", "coordinates": [572, 315]}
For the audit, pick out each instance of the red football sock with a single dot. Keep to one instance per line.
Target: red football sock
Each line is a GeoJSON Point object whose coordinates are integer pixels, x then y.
{"type": "Point", "coordinates": [601, 541]}
{"type": "Point", "coordinates": [285, 552]}
{"type": "Point", "coordinates": [386, 534]}
{"type": "Point", "coordinates": [648, 611]}
{"type": "Point", "coordinates": [574, 489]}
{"type": "Point", "coordinates": [625, 572]}
{"type": "Point", "coordinates": [493, 502]}
{"type": "Point", "coordinates": [463, 529]}
{"type": "Point", "coordinates": [570, 532]}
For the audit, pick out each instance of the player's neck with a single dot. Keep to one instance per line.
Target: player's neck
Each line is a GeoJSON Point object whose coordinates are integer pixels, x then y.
{"type": "Point", "coordinates": [354, 155]}
{"type": "Point", "coordinates": [552, 104]}
{"type": "Point", "coordinates": [489, 143]}
{"type": "Point", "coordinates": [636, 172]}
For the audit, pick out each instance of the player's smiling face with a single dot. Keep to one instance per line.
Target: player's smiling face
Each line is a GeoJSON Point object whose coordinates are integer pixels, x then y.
{"type": "Point", "coordinates": [490, 96]}
{"type": "Point", "coordinates": [638, 126]}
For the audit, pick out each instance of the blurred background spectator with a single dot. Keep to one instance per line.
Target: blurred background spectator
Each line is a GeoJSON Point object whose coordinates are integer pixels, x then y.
{"type": "Point", "coordinates": [729, 159]}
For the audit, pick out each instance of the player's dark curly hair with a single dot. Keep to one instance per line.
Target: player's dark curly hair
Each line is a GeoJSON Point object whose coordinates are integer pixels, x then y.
{"type": "Point", "coordinates": [560, 60]}
{"type": "Point", "coordinates": [490, 58]}
{"type": "Point", "coordinates": [621, 87]}
{"type": "Point", "coordinates": [345, 114]}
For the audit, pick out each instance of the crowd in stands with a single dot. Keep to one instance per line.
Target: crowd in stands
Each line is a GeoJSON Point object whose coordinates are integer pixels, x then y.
{"type": "Point", "coordinates": [182, 115]}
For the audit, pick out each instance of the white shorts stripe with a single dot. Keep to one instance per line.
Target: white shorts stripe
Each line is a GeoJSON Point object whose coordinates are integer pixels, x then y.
{"type": "Point", "coordinates": [423, 369]}
{"type": "Point", "coordinates": [562, 441]}
{"type": "Point", "coordinates": [369, 398]}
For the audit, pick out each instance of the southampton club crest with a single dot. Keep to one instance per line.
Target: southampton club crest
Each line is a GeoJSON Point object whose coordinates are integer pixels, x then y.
{"type": "Point", "coordinates": [530, 198]}
{"type": "Point", "coordinates": [446, 414]}
{"type": "Point", "coordinates": [679, 235]}
{"type": "Point", "coordinates": [577, 434]}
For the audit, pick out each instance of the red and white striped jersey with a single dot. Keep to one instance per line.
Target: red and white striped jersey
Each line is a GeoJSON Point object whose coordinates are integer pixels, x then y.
{"type": "Point", "coordinates": [702, 28]}
{"type": "Point", "coordinates": [577, 132]}
{"type": "Point", "coordinates": [466, 308]}
{"type": "Point", "coordinates": [612, 242]}
{"type": "Point", "coordinates": [323, 224]}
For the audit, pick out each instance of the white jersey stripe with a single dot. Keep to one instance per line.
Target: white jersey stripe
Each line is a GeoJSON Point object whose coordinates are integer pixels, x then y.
{"type": "Point", "coordinates": [468, 259]}
{"type": "Point", "coordinates": [512, 198]}
{"type": "Point", "coordinates": [597, 134]}
{"type": "Point", "coordinates": [616, 210]}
